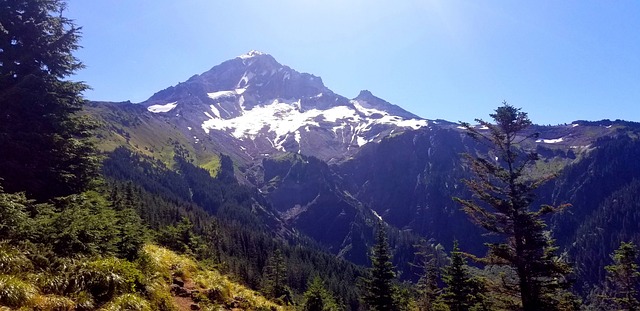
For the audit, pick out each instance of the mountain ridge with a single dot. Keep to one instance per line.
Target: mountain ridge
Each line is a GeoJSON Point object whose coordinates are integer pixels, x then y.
{"type": "Point", "coordinates": [270, 108]}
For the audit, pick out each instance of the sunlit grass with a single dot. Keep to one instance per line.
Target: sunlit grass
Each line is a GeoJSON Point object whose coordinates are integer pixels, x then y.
{"type": "Point", "coordinates": [128, 302]}
{"type": "Point", "coordinates": [110, 284]}
{"type": "Point", "coordinates": [15, 292]}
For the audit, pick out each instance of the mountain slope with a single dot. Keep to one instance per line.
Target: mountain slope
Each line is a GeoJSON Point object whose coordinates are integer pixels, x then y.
{"type": "Point", "coordinates": [268, 108]}
{"type": "Point", "coordinates": [328, 167]}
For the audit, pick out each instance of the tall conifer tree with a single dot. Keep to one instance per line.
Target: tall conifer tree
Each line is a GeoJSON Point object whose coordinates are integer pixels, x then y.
{"type": "Point", "coordinates": [275, 276]}
{"type": "Point", "coordinates": [44, 148]}
{"type": "Point", "coordinates": [379, 288]}
{"type": "Point", "coordinates": [503, 192]}
{"type": "Point", "coordinates": [459, 291]}
{"type": "Point", "coordinates": [623, 278]}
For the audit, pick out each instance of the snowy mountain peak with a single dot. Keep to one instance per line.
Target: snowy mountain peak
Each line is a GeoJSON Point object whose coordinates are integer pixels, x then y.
{"type": "Point", "coordinates": [251, 54]}
{"type": "Point", "coordinates": [266, 107]}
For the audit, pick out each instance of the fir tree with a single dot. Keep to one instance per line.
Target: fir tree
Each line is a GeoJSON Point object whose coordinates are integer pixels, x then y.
{"type": "Point", "coordinates": [275, 277]}
{"type": "Point", "coordinates": [44, 147]}
{"type": "Point", "coordinates": [457, 292]}
{"type": "Point", "coordinates": [317, 298]}
{"type": "Point", "coordinates": [427, 286]}
{"type": "Point", "coordinates": [505, 190]}
{"type": "Point", "coordinates": [462, 291]}
{"type": "Point", "coordinates": [379, 285]}
{"type": "Point", "coordinates": [623, 278]}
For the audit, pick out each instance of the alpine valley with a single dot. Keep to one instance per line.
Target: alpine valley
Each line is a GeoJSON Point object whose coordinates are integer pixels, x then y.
{"type": "Point", "coordinates": [252, 142]}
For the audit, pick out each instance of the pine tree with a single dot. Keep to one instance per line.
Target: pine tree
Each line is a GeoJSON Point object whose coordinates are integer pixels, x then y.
{"type": "Point", "coordinates": [428, 290]}
{"type": "Point", "coordinates": [379, 285]}
{"type": "Point", "coordinates": [457, 293]}
{"type": "Point", "coordinates": [44, 150]}
{"type": "Point", "coordinates": [317, 298]}
{"type": "Point", "coordinates": [275, 277]}
{"type": "Point", "coordinates": [505, 190]}
{"type": "Point", "coordinates": [427, 286]}
{"type": "Point", "coordinates": [623, 278]}
{"type": "Point", "coordinates": [462, 291]}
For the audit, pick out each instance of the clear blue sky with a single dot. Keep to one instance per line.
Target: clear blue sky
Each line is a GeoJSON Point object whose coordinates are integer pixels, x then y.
{"type": "Point", "coordinates": [455, 60]}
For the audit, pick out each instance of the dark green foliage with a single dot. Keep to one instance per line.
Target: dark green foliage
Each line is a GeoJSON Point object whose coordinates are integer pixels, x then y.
{"type": "Point", "coordinates": [378, 286]}
{"type": "Point", "coordinates": [462, 291]}
{"type": "Point", "coordinates": [317, 298]}
{"type": "Point", "coordinates": [181, 238]}
{"type": "Point", "coordinates": [505, 191]}
{"type": "Point", "coordinates": [76, 225]}
{"type": "Point", "coordinates": [623, 278]}
{"type": "Point", "coordinates": [65, 248]}
{"type": "Point", "coordinates": [44, 151]}
{"type": "Point", "coordinates": [85, 225]}
{"type": "Point", "coordinates": [615, 220]}
{"type": "Point", "coordinates": [235, 247]}
{"type": "Point", "coordinates": [428, 290]}
{"type": "Point", "coordinates": [275, 277]}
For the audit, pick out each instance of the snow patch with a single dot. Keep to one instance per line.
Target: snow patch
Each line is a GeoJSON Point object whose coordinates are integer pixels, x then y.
{"type": "Point", "coordinates": [376, 214]}
{"type": "Point", "coordinates": [298, 137]}
{"type": "Point", "coordinates": [244, 81]}
{"type": "Point", "coordinates": [361, 141]}
{"type": "Point", "coordinates": [550, 141]}
{"type": "Point", "coordinates": [162, 108]}
{"type": "Point", "coordinates": [250, 54]}
{"type": "Point", "coordinates": [215, 110]}
{"type": "Point", "coordinates": [276, 119]}
{"type": "Point", "coordinates": [226, 94]}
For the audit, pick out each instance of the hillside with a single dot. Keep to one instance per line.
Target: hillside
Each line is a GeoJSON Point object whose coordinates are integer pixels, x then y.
{"type": "Point", "coordinates": [406, 176]}
{"type": "Point", "coordinates": [253, 186]}
{"type": "Point", "coordinates": [159, 280]}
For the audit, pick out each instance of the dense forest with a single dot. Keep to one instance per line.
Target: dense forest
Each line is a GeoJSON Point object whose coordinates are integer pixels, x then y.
{"type": "Point", "coordinates": [82, 229]}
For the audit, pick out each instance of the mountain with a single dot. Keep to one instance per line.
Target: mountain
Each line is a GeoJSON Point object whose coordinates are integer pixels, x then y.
{"type": "Point", "coordinates": [253, 106]}
{"type": "Point", "coordinates": [314, 164]}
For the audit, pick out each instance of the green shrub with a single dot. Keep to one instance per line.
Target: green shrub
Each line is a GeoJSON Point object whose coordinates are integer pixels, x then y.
{"type": "Point", "coordinates": [84, 301]}
{"type": "Point", "coordinates": [53, 303]}
{"type": "Point", "coordinates": [108, 277]}
{"type": "Point", "coordinates": [15, 292]}
{"type": "Point", "coordinates": [85, 225]}
{"type": "Point", "coordinates": [12, 260]}
{"type": "Point", "coordinates": [127, 302]}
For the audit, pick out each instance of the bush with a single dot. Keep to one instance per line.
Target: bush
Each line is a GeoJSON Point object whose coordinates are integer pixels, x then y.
{"type": "Point", "coordinates": [127, 302]}
{"type": "Point", "coordinates": [15, 292]}
{"type": "Point", "coordinates": [86, 225]}
{"type": "Point", "coordinates": [12, 260]}
{"type": "Point", "coordinates": [53, 303]}
{"type": "Point", "coordinates": [106, 278]}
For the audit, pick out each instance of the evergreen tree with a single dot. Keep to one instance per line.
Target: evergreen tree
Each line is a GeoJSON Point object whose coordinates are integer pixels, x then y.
{"type": "Point", "coordinates": [427, 286]}
{"type": "Point", "coordinates": [379, 285]}
{"type": "Point", "coordinates": [428, 291]}
{"type": "Point", "coordinates": [623, 278]}
{"type": "Point", "coordinates": [317, 298]}
{"type": "Point", "coordinates": [462, 290]}
{"type": "Point", "coordinates": [505, 190]}
{"type": "Point", "coordinates": [44, 147]}
{"type": "Point", "coordinates": [275, 277]}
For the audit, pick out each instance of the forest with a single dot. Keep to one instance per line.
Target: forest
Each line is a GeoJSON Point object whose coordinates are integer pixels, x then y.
{"type": "Point", "coordinates": [82, 229]}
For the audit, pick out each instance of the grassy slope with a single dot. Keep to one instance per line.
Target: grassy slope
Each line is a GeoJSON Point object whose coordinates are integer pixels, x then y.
{"type": "Point", "coordinates": [121, 124]}
{"type": "Point", "coordinates": [142, 285]}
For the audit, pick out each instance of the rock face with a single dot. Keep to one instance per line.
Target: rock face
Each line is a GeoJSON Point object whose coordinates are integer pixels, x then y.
{"type": "Point", "coordinates": [260, 107]}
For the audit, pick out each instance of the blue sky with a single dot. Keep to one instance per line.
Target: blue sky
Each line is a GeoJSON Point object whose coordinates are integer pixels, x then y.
{"type": "Point", "coordinates": [455, 60]}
